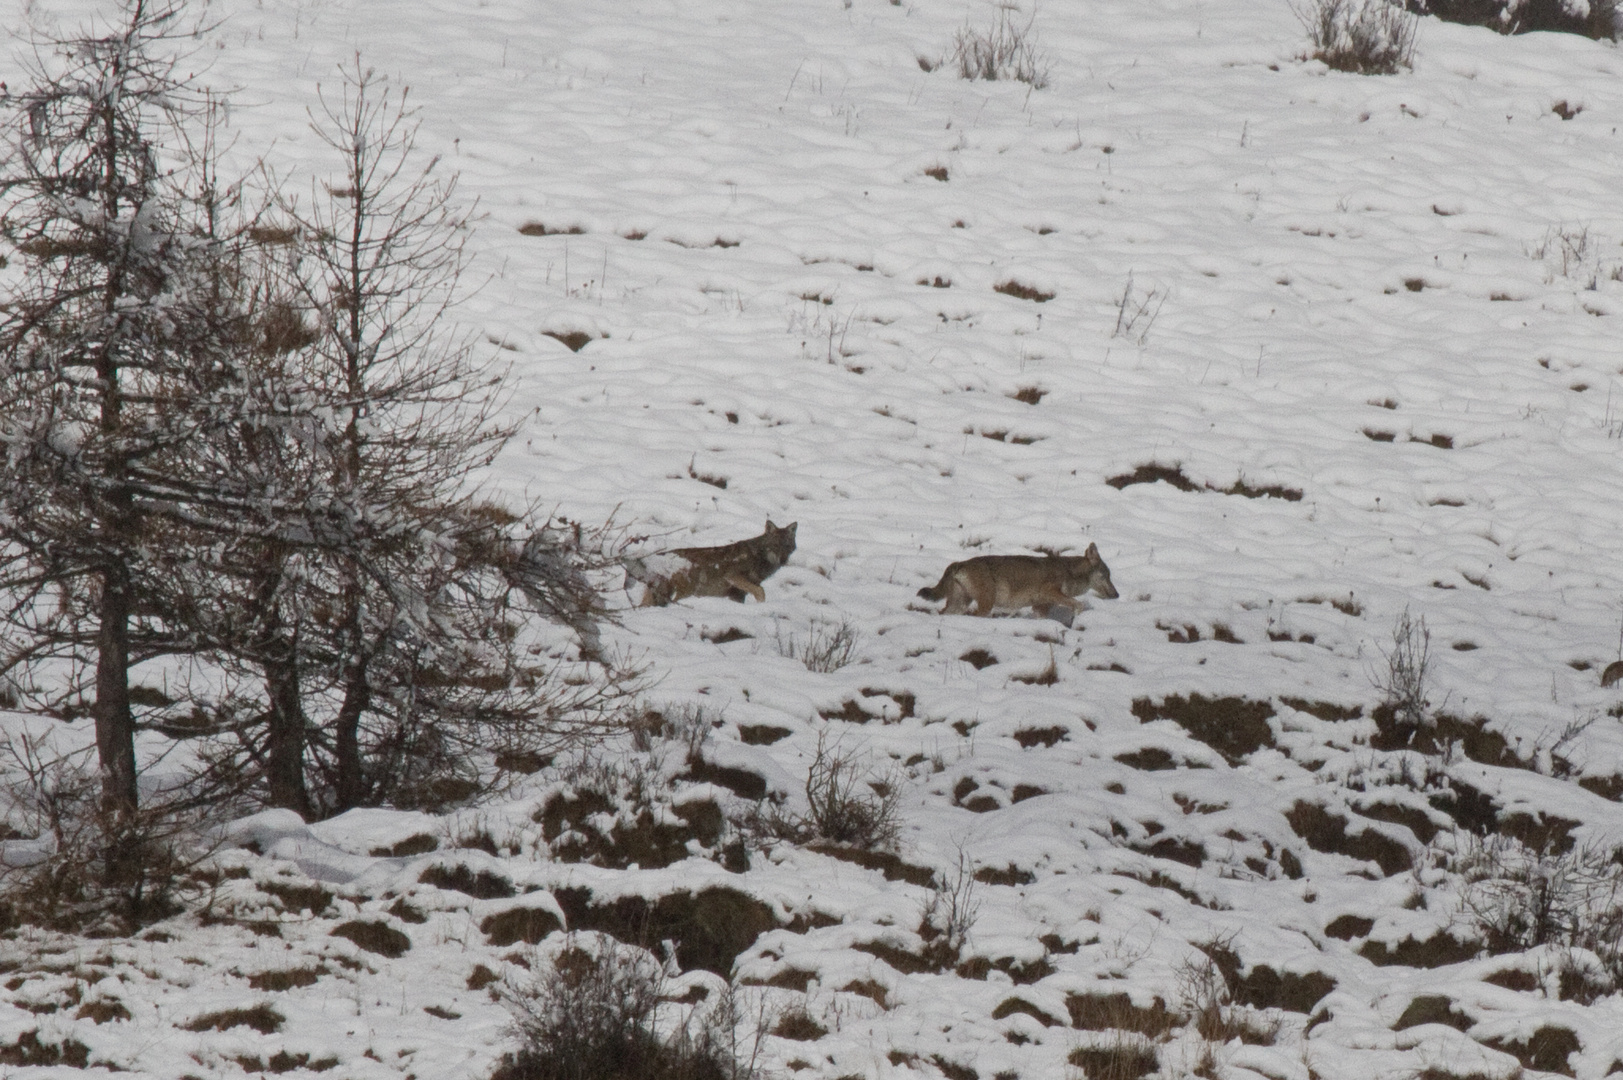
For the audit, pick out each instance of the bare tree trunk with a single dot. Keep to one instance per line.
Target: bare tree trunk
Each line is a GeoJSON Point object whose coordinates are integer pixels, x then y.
{"type": "Point", "coordinates": [347, 736]}
{"type": "Point", "coordinates": [115, 725]}
{"type": "Point", "coordinates": [285, 735]}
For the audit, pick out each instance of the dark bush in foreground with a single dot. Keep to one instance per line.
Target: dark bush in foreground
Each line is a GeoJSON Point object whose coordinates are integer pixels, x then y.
{"type": "Point", "coordinates": [591, 1015]}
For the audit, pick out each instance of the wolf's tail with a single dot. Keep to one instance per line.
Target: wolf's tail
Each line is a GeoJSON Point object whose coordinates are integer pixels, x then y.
{"type": "Point", "coordinates": [939, 590]}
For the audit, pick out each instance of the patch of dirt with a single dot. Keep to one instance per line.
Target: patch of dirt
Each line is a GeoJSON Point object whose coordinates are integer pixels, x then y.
{"type": "Point", "coordinates": [527, 924]}
{"type": "Point", "coordinates": [762, 734]}
{"type": "Point", "coordinates": [892, 866]}
{"type": "Point", "coordinates": [28, 1050]}
{"type": "Point", "coordinates": [1010, 1006]}
{"type": "Point", "coordinates": [375, 937]}
{"type": "Point", "coordinates": [1327, 711]}
{"type": "Point", "coordinates": [741, 782]}
{"type": "Point", "coordinates": [1234, 727]}
{"type": "Point", "coordinates": [1546, 1050]}
{"type": "Point", "coordinates": [1116, 1012]}
{"type": "Point", "coordinates": [710, 928]}
{"type": "Point", "coordinates": [1328, 832]}
{"type": "Point", "coordinates": [1347, 927]}
{"type": "Point", "coordinates": [1046, 736]}
{"type": "Point", "coordinates": [1264, 988]}
{"type": "Point", "coordinates": [262, 1018]}
{"type": "Point", "coordinates": [1439, 950]}
{"type": "Point", "coordinates": [459, 878]}
{"type": "Point", "coordinates": [421, 844]}
{"type": "Point", "coordinates": [978, 659]}
{"type": "Point", "coordinates": [1433, 1009]}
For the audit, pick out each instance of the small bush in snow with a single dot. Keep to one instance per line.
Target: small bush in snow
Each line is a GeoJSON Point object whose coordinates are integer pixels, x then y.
{"type": "Point", "coordinates": [824, 649]}
{"type": "Point", "coordinates": [1370, 37]}
{"type": "Point", "coordinates": [848, 805]}
{"type": "Point", "coordinates": [594, 1012]}
{"type": "Point", "coordinates": [1403, 685]}
{"type": "Point", "coordinates": [78, 862]}
{"type": "Point", "coordinates": [1005, 50]}
{"type": "Point", "coordinates": [948, 914]}
{"type": "Point", "coordinates": [1518, 898]}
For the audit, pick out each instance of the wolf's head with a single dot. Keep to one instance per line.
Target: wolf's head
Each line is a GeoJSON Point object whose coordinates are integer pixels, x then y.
{"type": "Point", "coordinates": [1090, 569]}
{"type": "Point", "coordinates": [779, 543]}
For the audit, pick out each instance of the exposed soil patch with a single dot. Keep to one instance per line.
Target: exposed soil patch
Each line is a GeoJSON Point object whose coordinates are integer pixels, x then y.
{"type": "Point", "coordinates": [574, 340]}
{"type": "Point", "coordinates": [710, 928]}
{"type": "Point", "coordinates": [1328, 832]}
{"type": "Point", "coordinates": [1123, 1061]}
{"type": "Point", "coordinates": [311, 898]}
{"type": "Point", "coordinates": [1010, 1006]}
{"type": "Point", "coordinates": [1347, 927]}
{"type": "Point", "coordinates": [421, 844]}
{"type": "Point", "coordinates": [1433, 1009]}
{"type": "Point", "coordinates": [1023, 292]}
{"type": "Point", "coordinates": [1047, 736]}
{"type": "Point", "coordinates": [1546, 1050]}
{"type": "Point", "coordinates": [1116, 1012]}
{"type": "Point", "coordinates": [1439, 950]}
{"type": "Point", "coordinates": [1327, 711]}
{"type": "Point", "coordinates": [978, 659]}
{"type": "Point", "coordinates": [1008, 875]}
{"type": "Point", "coordinates": [1234, 727]}
{"type": "Point", "coordinates": [1475, 739]}
{"type": "Point", "coordinates": [762, 734]}
{"type": "Point", "coordinates": [1149, 759]}
{"type": "Point", "coordinates": [1412, 818]}
{"type": "Point", "coordinates": [525, 924]}
{"type": "Point", "coordinates": [375, 937]}
{"type": "Point", "coordinates": [262, 1018]}
{"type": "Point", "coordinates": [741, 782]}
{"type": "Point", "coordinates": [1022, 972]}
{"type": "Point", "coordinates": [288, 979]}
{"type": "Point", "coordinates": [1151, 473]}
{"type": "Point", "coordinates": [28, 1050]}
{"type": "Point", "coordinates": [481, 886]}
{"type": "Point", "coordinates": [1263, 987]}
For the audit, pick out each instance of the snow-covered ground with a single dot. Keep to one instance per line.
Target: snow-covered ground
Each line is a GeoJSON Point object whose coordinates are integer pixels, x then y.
{"type": "Point", "coordinates": [1392, 296]}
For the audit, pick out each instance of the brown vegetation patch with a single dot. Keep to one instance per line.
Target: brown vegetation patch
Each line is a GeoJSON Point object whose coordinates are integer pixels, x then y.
{"type": "Point", "coordinates": [1439, 950]}
{"type": "Point", "coordinates": [1153, 472]}
{"type": "Point", "coordinates": [1515, 979]}
{"type": "Point", "coordinates": [1148, 759]}
{"type": "Point", "coordinates": [1380, 436]}
{"type": "Point", "coordinates": [906, 701]}
{"type": "Point", "coordinates": [741, 782]}
{"type": "Point", "coordinates": [937, 172]}
{"type": "Point", "coordinates": [408, 912]}
{"type": "Point", "coordinates": [868, 988]}
{"type": "Point", "coordinates": [1607, 787]}
{"type": "Point", "coordinates": [1327, 711]}
{"type": "Point", "coordinates": [799, 1025]}
{"type": "Point", "coordinates": [1546, 1050]}
{"type": "Point", "coordinates": [421, 844]}
{"type": "Point", "coordinates": [1234, 727]}
{"type": "Point", "coordinates": [1176, 849]}
{"type": "Point", "coordinates": [908, 963]}
{"type": "Point", "coordinates": [1124, 1060]}
{"type": "Point", "coordinates": [1263, 491]}
{"type": "Point", "coordinates": [952, 1070]}
{"type": "Point", "coordinates": [727, 636]}
{"type": "Point", "coordinates": [1433, 1009]}
{"type": "Point", "coordinates": [1327, 832]}
{"type": "Point", "coordinates": [526, 924]}
{"type": "Point", "coordinates": [1412, 818]}
{"type": "Point", "coordinates": [1008, 875]}
{"type": "Point", "coordinates": [481, 977]}
{"type": "Point", "coordinates": [262, 1018]}
{"type": "Point", "coordinates": [1116, 1012]}
{"type": "Point", "coordinates": [850, 712]}
{"type": "Point", "coordinates": [1023, 292]}
{"type": "Point", "coordinates": [762, 734]}
{"type": "Point", "coordinates": [573, 340]}
{"type": "Point", "coordinates": [311, 898]}
{"type": "Point", "coordinates": [710, 928]}
{"type": "Point", "coordinates": [459, 878]}
{"type": "Point", "coordinates": [28, 1050]}
{"type": "Point", "coordinates": [1021, 972]}
{"type": "Point", "coordinates": [536, 228]}
{"type": "Point", "coordinates": [375, 937]}
{"type": "Point", "coordinates": [1030, 395]}
{"type": "Point", "coordinates": [1046, 736]}
{"type": "Point", "coordinates": [1009, 1006]}
{"type": "Point", "coordinates": [102, 1011]}
{"type": "Point", "coordinates": [888, 864]}
{"type": "Point", "coordinates": [978, 659]}
{"type": "Point", "coordinates": [1547, 833]}
{"type": "Point", "coordinates": [287, 979]}
{"type": "Point", "coordinates": [1347, 927]}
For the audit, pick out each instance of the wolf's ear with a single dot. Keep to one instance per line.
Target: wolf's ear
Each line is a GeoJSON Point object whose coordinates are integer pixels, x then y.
{"type": "Point", "coordinates": [771, 528]}
{"type": "Point", "coordinates": [790, 528]}
{"type": "Point", "coordinates": [1092, 552]}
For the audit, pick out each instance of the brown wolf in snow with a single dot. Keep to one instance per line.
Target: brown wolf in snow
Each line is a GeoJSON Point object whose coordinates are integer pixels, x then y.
{"type": "Point", "coordinates": [1012, 582]}
{"type": "Point", "coordinates": [731, 570]}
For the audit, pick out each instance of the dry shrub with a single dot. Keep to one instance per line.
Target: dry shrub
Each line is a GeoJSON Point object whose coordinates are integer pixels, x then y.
{"type": "Point", "coordinates": [949, 913]}
{"type": "Point", "coordinates": [1124, 1056]}
{"type": "Point", "coordinates": [849, 805]}
{"type": "Point", "coordinates": [75, 865]}
{"type": "Point", "coordinates": [1369, 37]}
{"type": "Point", "coordinates": [596, 1011]}
{"type": "Point", "coordinates": [1518, 898]}
{"type": "Point", "coordinates": [825, 648]}
{"type": "Point", "coordinates": [1005, 50]}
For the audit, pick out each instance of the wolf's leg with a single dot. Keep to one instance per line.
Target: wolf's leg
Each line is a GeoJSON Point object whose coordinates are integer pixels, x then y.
{"type": "Point", "coordinates": [957, 600]}
{"type": "Point", "coordinates": [744, 584]}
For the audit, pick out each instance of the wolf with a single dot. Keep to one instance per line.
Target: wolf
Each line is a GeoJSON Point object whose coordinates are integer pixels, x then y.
{"type": "Point", "coordinates": [1011, 582]}
{"type": "Point", "coordinates": [732, 570]}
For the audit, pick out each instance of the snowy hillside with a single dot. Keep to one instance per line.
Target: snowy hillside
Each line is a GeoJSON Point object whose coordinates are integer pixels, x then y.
{"type": "Point", "coordinates": [1298, 350]}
